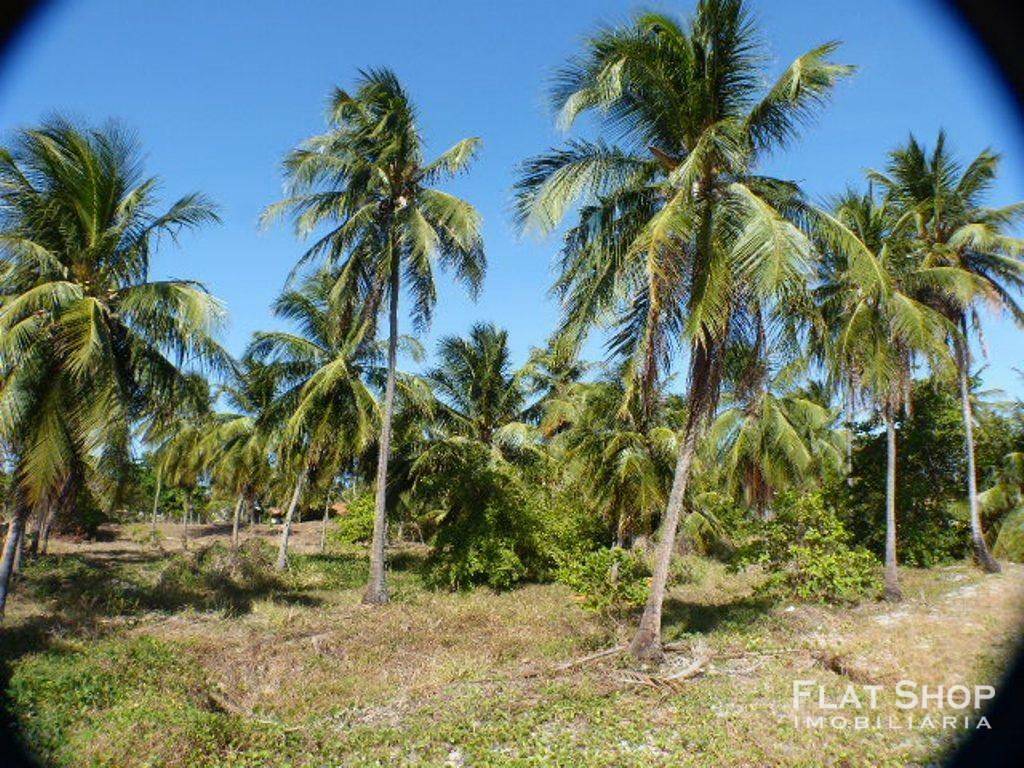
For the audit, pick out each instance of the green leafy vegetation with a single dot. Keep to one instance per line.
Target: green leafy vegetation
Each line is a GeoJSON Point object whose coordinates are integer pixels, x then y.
{"type": "Point", "coordinates": [806, 550]}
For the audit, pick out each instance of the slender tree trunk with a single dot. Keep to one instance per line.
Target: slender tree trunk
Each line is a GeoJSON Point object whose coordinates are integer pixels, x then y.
{"type": "Point", "coordinates": [848, 408]}
{"type": "Point", "coordinates": [234, 521]}
{"type": "Point", "coordinates": [892, 586]}
{"type": "Point", "coordinates": [981, 552]}
{"type": "Point", "coordinates": [156, 496]}
{"type": "Point", "coordinates": [14, 531]}
{"type": "Point", "coordinates": [646, 645]}
{"type": "Point", "coordinates": [19, 554]}
{"type": "Point", "coordinates": [286, 529]}
{"type": "Point", "coordinates": [48, 517]}
{"type": "Point", "coordinates": [186, 513]}
{"type": "Point", "coordinates": [323, 528]}
{"type": "Point", "coordinates": [37, 534]}
{"type": "Point", "coordinates": [377, 589]}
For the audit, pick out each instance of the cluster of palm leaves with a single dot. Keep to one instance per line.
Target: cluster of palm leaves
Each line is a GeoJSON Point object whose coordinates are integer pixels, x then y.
{"type": "Point", "coordinates": [782, 319]}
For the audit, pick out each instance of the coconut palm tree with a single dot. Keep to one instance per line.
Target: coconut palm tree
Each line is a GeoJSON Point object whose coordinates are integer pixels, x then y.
{"type": "Point", "coordinates": [953, 230]}
{"type": "Point", "coordinates": [238, 450]}
{"type": "Point", "coordinates": [867, 282]}
{"type": "Point", "coordinates": [621, 461]}
{"type": "Point", "coordinates": [480, 396]}
{"type": "Point", "coordinates": [367, 180]}
{"type": "Point", "coordinates": [88, 342]}
{"type": "Point", "coordinates": [178, 433]}
{"type": "Point", "coordinates": [770, 436]}
{"type": "Point", "coordinates": [676, 231]}
{"type": "Point", "coordinates": [325, 409]}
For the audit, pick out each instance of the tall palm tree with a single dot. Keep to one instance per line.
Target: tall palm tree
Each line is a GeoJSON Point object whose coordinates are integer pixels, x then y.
{"type": "Point", "coordinates": [367, 180]}
{"type": "Point", "coordinates": [87, 341]}
{"type": "Point", "coordinates": [953, 230]}
{"type": "Point", "coordinates": [876, 328]}
{"type": "Point", "coordinates": [325, 410]}
{"type": "Point", "coordinates": [677, 232]}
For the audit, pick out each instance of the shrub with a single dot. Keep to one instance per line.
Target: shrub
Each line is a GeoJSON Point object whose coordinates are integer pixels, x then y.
{"type": "Point", "coordinates": [1010, 541]}
{"type": "Point", "coordinates": [608, 580]}
{"type": "Point", "coordinates": [688, 569]}
{"type": "Point", "coordinates": [356, 525]}
{"type": "Point", "coordinates": [806, 550]}
{"type": "Point", "coordinates": [491, 522]}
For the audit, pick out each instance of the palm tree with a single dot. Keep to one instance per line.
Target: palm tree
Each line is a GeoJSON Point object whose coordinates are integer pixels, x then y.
{"type": "Point", "coordinates": [238, 450]}
{"type": "Point", "coordinates": [480, 396]}
{"type": "Point", "coordinates": [953, 230]}
{"type": "Point", "coordinates": [676, 232]}
{"type": "Point", "coordinates": [87, 342]}
{"type": "Point", "coordinates": [618, 458]}
{"type": "Point", "coordinates": [325, 409]}
{"type": "Point", "coordinates": [875, 328]}
{"type": "Point", "coordinates": [367, 180]}
{"type": "Point", "coordinates": [179, 433]}
{"type": "Point", "coordinates": [770, 436]}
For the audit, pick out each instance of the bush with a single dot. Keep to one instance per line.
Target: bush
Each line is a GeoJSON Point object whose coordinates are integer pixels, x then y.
{"type": "Point", "coordinates": [1010, 541]}
{"type": "Point", "coordinates": [608, 580]}
{"type": "Point", "coordinates": [491, 521]}
{"type": "Point", "coordinates": [806, 550]}
{"type": "Point", "coordinates": [356, 525]}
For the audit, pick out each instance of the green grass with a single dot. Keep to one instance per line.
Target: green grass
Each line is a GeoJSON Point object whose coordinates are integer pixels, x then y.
{"type": "Point", "coordinates": [140, 659]}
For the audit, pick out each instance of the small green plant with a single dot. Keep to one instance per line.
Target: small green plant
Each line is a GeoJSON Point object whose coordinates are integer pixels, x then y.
{"type": "Point", "coordinates": [609, 580]}
{"type": "Point", "coordinates": [806, 550]}
{"type": "Point", "coordinates": [355, 524]}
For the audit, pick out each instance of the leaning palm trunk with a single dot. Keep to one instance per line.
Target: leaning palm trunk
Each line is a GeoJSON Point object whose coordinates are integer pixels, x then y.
{"type": "Point", "coordinates": [981, 553]}
{"type": "Point", "coordinates": [11, 544]}
{"type": "Point", "coordinates": [892, 586]}
{"type": "Point", "coordinates": [19, 554]}
{"type": "Point", "coordinates": [646, 644]}
{"type": "Point", "coordinates": [234, 521]}
{"type": "Point", "coordinates": [377, 589]}
{"type": "Point", "coordinates": [286, 529]}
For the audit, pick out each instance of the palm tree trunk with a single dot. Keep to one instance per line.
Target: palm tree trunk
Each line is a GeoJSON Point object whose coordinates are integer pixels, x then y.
{"type": "Point", "coordinates": [848, 408]}
{"type": "Point", "coordinates": [48, 518]}
{"type": "Point", "coordinates": [234, 521]}
{"type": "Point", "coordinates": [981, 552]}
{"type": "Point", "coordinates": [19, 554]}
{"type": "Point", "coordinates": [186, 513]}
{"type": "Point", "coordinates": [156, 496]}
{"type": "Point", "coordinates": [323, 528]}
{"type": "Point", "coordinates": [377, 589]}
{"type": "Point", "coordinates": [286, 530]}
{"type": "Point", "coordinates": [646, 645]}
{"type": "Point", "coordinates": [37, 534]}
{"type": "Point", "coordinates": [892, 586]}
{"type": "Point", "coordinates": [11, 543]}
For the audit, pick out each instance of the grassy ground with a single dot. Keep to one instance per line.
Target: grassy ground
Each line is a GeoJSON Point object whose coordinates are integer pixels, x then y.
{"type": "Point", "coordinates": [122, 654]}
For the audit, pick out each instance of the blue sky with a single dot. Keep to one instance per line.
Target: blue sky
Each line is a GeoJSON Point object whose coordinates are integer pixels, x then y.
{"type": "Point", "coordinates": [217, 92]}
